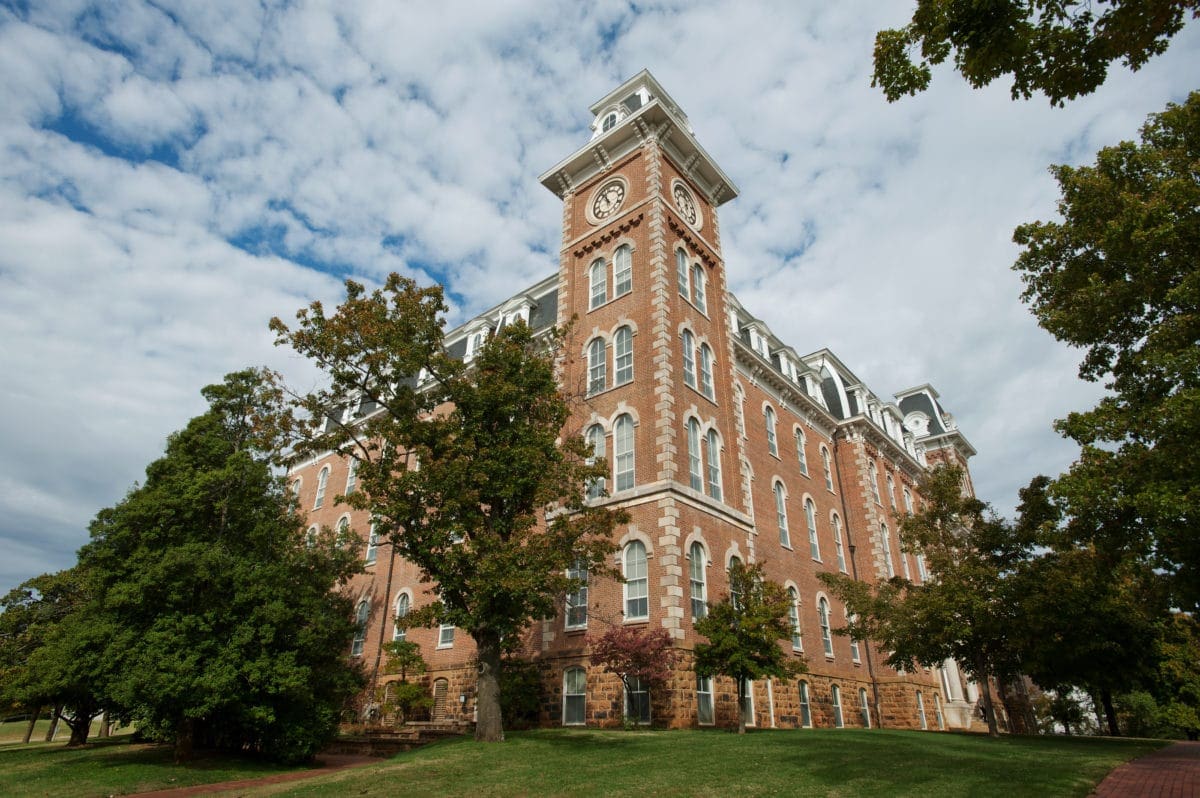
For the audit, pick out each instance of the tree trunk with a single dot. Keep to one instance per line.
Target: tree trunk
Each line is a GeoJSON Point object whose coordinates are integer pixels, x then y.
{"type": "Point", "coordinates": [989, 711]}
{"type": "Point", "coordinates": [104, 731]}
{"type": "Point", "coordinates": [184, 740]}
{"type": "Point", "coordinates": [54, 722]}
{"type": "Point", "coordinates": [741, 694]}
{"type": "Point", "coordinates": [489, 727]}
{"type": "Point", "coordinates": [80, 726]}
{"type": "Point", "coordinates": [1110, 713]}
{"type": "Point", "coordinates": [33, 719]}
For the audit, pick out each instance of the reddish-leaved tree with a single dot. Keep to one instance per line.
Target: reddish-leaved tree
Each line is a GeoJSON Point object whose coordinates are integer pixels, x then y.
{"type": "Point", "coordinates": [643, 659]}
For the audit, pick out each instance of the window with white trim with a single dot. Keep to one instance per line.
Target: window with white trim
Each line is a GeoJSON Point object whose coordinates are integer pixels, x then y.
{"type": "Point", "coordinates": [837, 543]}
{"type": "Point", "coordinates": [400, 632]}
{"type": "Point", "coordinates": [873, 476]}
{"type": "Point", "coordinates": [689, 359]}
{"type": "Point", "coordinates": [310, 537]}
{"type": "Point", "coordinates": [296, 484]}
{"type": "Point", "coordinates": [351, 475]}
{"type": "Point", "coordinates": [698, 297]}
{"type": "Point", "coordinates": [826, 631]}
{"type": "Point", "coordinates": [937, 710]}
{"type": "Point", "coordinates": [598, 283]}
{"type": "Point", "coordinates": [891, 488]}
{"type": "Point", "coordinates": [810, 518]}
{"type": "Point", "coordinates": [805, 707]}
{"type": "Point", "coordinates": [622, 271]}
{"type": "Point", "coordinates": [704, 701]}
{"type": "Point", "coordinates": [904, 564]}
{"type": "Point", "coordinates": [748, 702]}
{"type": "Point", "coordinates": [343, 532]}
{"type": "Point", "coordinates": [697, 562]}
{"type": "Point", "coordinates": [735, 598]}
{"type": "Point", "coordinates": [908, 505]}
{"type": "Point", "coordinates": [595, 439]}
{"type": "Point", "coordinates": [794, 618]}
{"type": "Point", "coordinates": [781, 514]}
{"type": "Point", "coordinates": [706, 371]}
{"type": "Point", "coordinates": [446, 636]}
{"type": "Point", "coordinates": [921, 570]}
{"type": "Point", "coordinates": [695, 478]}
{"type": "Point", "coordinates": [836, 692]}
{"type": "Point", "coordinates": [801, 455]}
{"type": "Point", "coordinates": [637, 582]}
{"type": "Point", "coordinates": [855, 653]}
{"type": "Point", "coordinates": [921, 711]}
{"type": "Point", "coordinates": [739, 399]}
{"type": "Point", "coordinates": [864, 708]}
{"type": "Point", "coordinates": [713, 455]}
{"type": "Point", "coordinates": [637, 701]}
{"type": "Point", "coordinates": [597, 366]}
{"type": "Point", "coordinates": [826, 467]}
{"type": "Point", "coordinates": [574, 696]}
{"type": "Point", "coordinates": [681, 272]}
{"type": "Point", "coordinates": [885, 539]}
{"type": "Point", "coordinates": [623, 356]}
{"type": "Point", "coordinates": [769, 423]}
{"type": "Point", "coordinates": [372, 546]}
{"type": "Point", "coordinates": [361, 616]}
{"type": "Point", "coordinates": [322, 483]}
{"type": "Point", "coordinates": [577, 600]}
{"type": "Point", "coordinates": [623, 450]}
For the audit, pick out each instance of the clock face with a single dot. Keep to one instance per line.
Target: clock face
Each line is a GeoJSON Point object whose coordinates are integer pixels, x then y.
{"type": "Point", "coordinates": [685, 203]}
{"type": "Point", "coordinates": [608, 199]}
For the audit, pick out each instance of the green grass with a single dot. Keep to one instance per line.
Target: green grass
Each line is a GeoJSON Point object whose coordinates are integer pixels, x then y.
{"type": "Point", "coordinates": [14, 731]}
{"type": "Point", "coordinates": [111, 767]}
{"type": "Point", "coordinates": [715, 763]}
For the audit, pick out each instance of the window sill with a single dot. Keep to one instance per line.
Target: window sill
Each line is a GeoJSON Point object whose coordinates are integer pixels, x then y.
{"type": "Point", "coordinates": [575, 630]}
{"type": "Point", "coordinates": [787, 546]}
{"type": "Point", "coordinates": [441, 647]}
{"type": "Point", "coordinates": [607, 302]}
{"type": "Point", "coordinates": [635, 621]}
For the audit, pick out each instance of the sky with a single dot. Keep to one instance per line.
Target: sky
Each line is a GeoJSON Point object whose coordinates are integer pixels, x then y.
{"type": "Point", "coordinates": [172, 175]}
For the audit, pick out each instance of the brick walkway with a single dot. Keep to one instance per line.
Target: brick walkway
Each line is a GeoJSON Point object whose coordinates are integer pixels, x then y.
{"type": "Point", "coordinates": [327, 763]}
{"type": "Point", "coordinates": [1171, 772]}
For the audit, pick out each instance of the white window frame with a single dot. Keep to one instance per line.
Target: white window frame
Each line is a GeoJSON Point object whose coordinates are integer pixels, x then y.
{"type": "Point", "coordinates": [689, 358]}
{"type": "Point", "coordinates": [885, 540]}
{"type": "Point", "coordinates": [864, 707]}
{"type": "Point", "coordinates": [637, 687]}
{"type": "Point", "coordinates": [595, 437]}
{"type": "Point", "coordinates": [873, 476]}
{"type": "Point", "coordinates": [682, 274]}
{"type": "Point", "coordinates": [835, 693]}
{"type": "Point", "coordinates": [806, 721]}
{"type": "Point", "coordinates": [402, 607]}
{"type": "Point", "coordinates": [921, 712]}
{"type": "Point", "coordinates": [322, 484]}
{"type": "Point", "coordinates": [622, 271]}
{"type": "Point", "coordinates": [810, 518]}
{"type": "Point", "coordinates": [636, 589]}
{"type": "Point", "coordinates": [351, 475]}
{"type": "Point", "coordinates": [597, 284]}
{"type": "Point", "coordinates": [839, 546]}
{"type": "Point", "coordinates": [826, 631]}
{"type": "Point", "coordinates": [794, 619]}
{"type": "Point", "coordinates": [801, 455]}
{"type": "Point", "coordinates": [855, 652]}
{"type": "Point", "coordinates": [785, 538]}
{"type": "Point", "coordinates": [697, 582]}
{"type": "Point", "coordinates": [695, 466]}
{"type": "Point", "coordinates": [445, 635]}
{"type": "Point", "coordinates": [362, 615]}
{"type": "Point", "coordinates": [574, 693]}
{"type": "Point", "coordinates": [623, 453]}
{"type": "Point", "coordinates": [713, 463]}
{"type": "Point", "coordinates": [769, 422]}
{"type": "Point", "coordinates": [622, 356]}
{"type": "Point", "coordinates": [699, 297]}
{"type": "Point", "coordinates": [704, 699]}
{"type": "Point", "coordinates": [597, 366]}
{"type": "Point", "coordinates": [706, 371]}
{"type": "Point", "coordinates": [748, 686]}
{"type": "Point", "coordinates": [577, 600]}
{"type": "Point", "coordinates": [372, 546]}
{"type": "Point", "coordinates": [827, 468]}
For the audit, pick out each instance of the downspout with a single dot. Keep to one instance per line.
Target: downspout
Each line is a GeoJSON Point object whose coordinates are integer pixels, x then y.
{"type": "Point", "coordinates": [854, 574]}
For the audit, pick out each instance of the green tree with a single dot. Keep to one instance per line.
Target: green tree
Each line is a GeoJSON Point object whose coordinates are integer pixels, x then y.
{"type": "Point", "coordinates": [225, 628]}
{"type": "Point", "coordinates": [965, 610]}
{"type": "Point", "coordinates": [1062, 48]}
{"type": "Point", "coordinates": [1118, 277]}
{"type": "Point", "coordinates": [643, 659]}
{"type": "Point", "coordinates": [403, 696]}
{"type": "Point", "coordinates": [1177, 685]}
{"type": "Point", "coordinates": [495, 513]}
{"type": "Point", "coordinates": [744, 630]}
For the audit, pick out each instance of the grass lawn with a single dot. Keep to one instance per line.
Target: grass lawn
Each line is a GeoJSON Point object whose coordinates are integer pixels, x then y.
{"type": "Point", "coordinates": [715, 763]}
{"type": "Point", "coordinates": [111, 767]}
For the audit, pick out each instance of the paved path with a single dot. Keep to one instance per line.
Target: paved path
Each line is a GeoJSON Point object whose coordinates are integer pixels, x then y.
{"type": "Point", "coordinates": [326, 764]}
{"type": "Point", "coordinates": [1171, 772]}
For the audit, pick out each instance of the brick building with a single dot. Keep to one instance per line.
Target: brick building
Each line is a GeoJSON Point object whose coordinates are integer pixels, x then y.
{"type": "Point", "coordinates": [723, 441]}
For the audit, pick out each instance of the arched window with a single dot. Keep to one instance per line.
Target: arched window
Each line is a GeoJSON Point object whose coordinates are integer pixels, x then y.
{"type": "Point", "coordinates": [837, 543]}
{"type": "Point", "coordinates": [769, 421]}
{"type": "Point", "coordinates": [854, 650]}
{"type": "Point", "coordinates": [351, 475]}
{"type": "Point", "coordinates": [372, 545]}
{"type": "Point", "coordinates": [360, 628]}
{"type": "Point", "coordinates": [610, 121]}
{"type": "Point", "coordinates": [322, 483]}
{"type": "Point", "coordinates": [343, 532]}
{"type": "Point", "coordinates": [904, 564]}
{"type": "Point", "coordinates": [698, 297]}
{"type": "Point", "coordinates": [623, 450]}
{"type": "Point", "coordinates": [837, 707]}
{"type": "Point", "coordinates": [921, 711]}
{"type": "Point", "coordinates": [637, 582]}
{"type": "Point", "coordinates": [296, 484]}
{"type": "Point", "coordinates": [706, 371]}
{"type": "Point", "coordinates": [598, 281]}
{"type": "Point", "coordinates": [693, 442]}
{"type": "Point", "coordinates": [781, 515]}
{"type": "Point", "coordinates": [739, 403]}
{"type": "Point", "coordinates": [574, 696]}
{"type": "Point", "coordinates": [697, 560]}
{"type": "Point", "coordinates": [597, 366]}
{"type": "Point", "coordinates": [826, 632]}
{"type": "Point", "coordinates": [681, 271]}
{"type": "Point", "coordinates": [885, 540]}
{"type": "Point", "coordinates": [622, 271]}
{"type": "Point", "coordinates": [922, 572]}
{"type": "Point", "coordinates": [577, 601]}
{"type": "Point", "coordinates": [310, 537]}
{"type": "Point", "coordinates": [623, 356]}
{"type": "Point", "coordinates": [689, 359]}
{"type": "Point", "coordinates": [907, 501]}
{"type": "Point", "coordinates": [595, 439]}
{"type": "Point", "coordinates": [864, 707]}
{"type": "Point", "coordinates": [794, 618]}
{"type": "Point", "coordinates": [873, 476]}
{"type": "Point", "coordinates": [810, 518]}
{"type": "Point", "coordinates": [734, 597]}
{"type": "Point", "coordinates": [805, 707]}
{"type": "Point", "coordinates": [713, 454]}
{"type": "Point", "coordinates": [801, 455]}
{"type": "Point", "coordinates": [402, 608]}
{"type": "Point", "coordinates": [826, 468]}
{"type": "Point", "coordinates": [891, 486]}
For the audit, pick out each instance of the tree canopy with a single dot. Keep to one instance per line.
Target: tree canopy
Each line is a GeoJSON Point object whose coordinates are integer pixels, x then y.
{"type": "Point", "coordinates": [465, 466]}
{"type": "Point", "coordinates": [1062, 48]}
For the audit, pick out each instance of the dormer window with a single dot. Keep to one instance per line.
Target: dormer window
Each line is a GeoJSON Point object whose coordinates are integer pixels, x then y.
{"type": "Point", "coordinates": [610, 121]}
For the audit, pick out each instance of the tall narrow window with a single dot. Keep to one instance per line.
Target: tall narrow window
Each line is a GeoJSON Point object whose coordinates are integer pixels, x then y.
{"type": "Point", "coordinates": [400, 632]}
{"type": "Point", "coordinates": [838, 545]}
{"type": "Point", "coordinates": [577, 601]}
{"type": "Point", "coordinates": [622, 271]}
{"type": "Point", "coordinates": [891, 487]}
{"type": "Point", "coordinates": [597, 366]}
{"type": "Point", "coordinates": [864, 707]}
{"type": "Point", "coordinates": [748, 702]}
{"type": "Point", "coordinates": [739, 402]}
{"type": "Point", "coordinates": [351, 475]}
{"type": "Point", "coordinates": [296, 486]}
{"type": "Point", "coordinates": [623, 356]}
{"type": "Point", "coordinates": [904, 564]}
{"type": "Point", "coordinates": [805, 707]}
{"type": "Point", "coordinates": [885, 539]}
{"type": "Point", "coordinates": [826, 632]}
{"type": "Point", "coordinates": [837, 707]}
{"type": "Point", "coordinates": [794, 618]}
{"type": "Point", "coordinates": [689, 359]}
{"type": "Point", "coordinates": [937, 709]}
{"type": "Point", "coordinates": [322, 483]}
{"type": "Point", "coordinates": [623, 449]}
{"type": "Point", "coordinates": [921, 711]}
{"type": "Point", "coordinates": [810, 518]}
{"type": "Point", "coordinates": [706, 371]}
{"type": "Point", "coordinates": [637, 701]}
{"type": "Point", "coordinates": [574, 696]}
{"type": "Point", "coordinates": [922, 572]}
{"type": "Point", "coordinates": [595, 439]}
{"type": "Point", "coordinates": [695, 480]}
{"type": "Point", "coordinates": [735, 598]}
{"type": "Point", "coordinates": [769, 421]}
{"type": "Point", "coordinates": [310, 537]}
{"type": "Point", "coordinates": [446, 636]}
{"type": "Point", "coordinates": [372, 545]}
{"type": "Point", "coordinates": [781, 515]}
{"type": "Point", "coordinates": [343, 532]}
{"type": "Point", "coordinates": [681, 271]}
{"type": "Point", "coordinates": [698, 288]}
{"type": "Point", "coordinates": [704, 700]}
{"type": "Point", "coordinates": [713, 453]}
{"type": "Point", "coordinates": [855, 654]}
{"type": "Point", "coordinates": [360, 628]}
{"type": "Point", "coordinates": [801, 455]}
{"type": "Point", "coordinates": [598, 277]}
{"type": "Point", "coordinates": [698, 559]}
{"type": "Point", "coordinates": [873, 476]}
{"type": "Point", "coordinates": [907, 501]}
{"type": "Point", "coordinates": [637, 597]}
{"type": "Point", "coordinates": [825, 467]}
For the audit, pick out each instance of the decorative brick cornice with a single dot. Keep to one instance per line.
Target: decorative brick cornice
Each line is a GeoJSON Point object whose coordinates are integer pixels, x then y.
{"type": "Point", "coordinates": [609, 235]}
